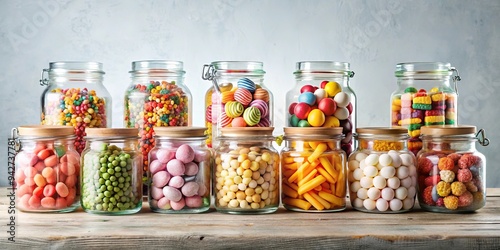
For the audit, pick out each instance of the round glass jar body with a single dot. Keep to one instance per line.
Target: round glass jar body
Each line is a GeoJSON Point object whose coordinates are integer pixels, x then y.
{"type": "Point", "coordinates": [239, 100]}
{"type": "Point", "coordinates": [156, 97]}
{"type": "Point", "coordinates": [451, 172]}
{"type": "Point", "coordinates": [322, 97]}
{"type": "Point", "coordinates": [179, 171]}
{"type": "Point", "coordinates": [75, 96]}
{"type": "Point", "coordinates": [424, 97]}
{"type": "Point", "coordinates": [382, 172]}
{"type": "Point", "coordinates": [111, 177]}
{"type": "Point", "coordinates": [246, 172]}
{"type": "Point", "coordinates": [313, 170]}
{"type": "Point", "coordinates": [47, 169]}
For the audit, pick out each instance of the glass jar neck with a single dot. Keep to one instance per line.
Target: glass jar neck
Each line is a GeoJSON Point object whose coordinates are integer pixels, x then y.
{"type": "Point", "coordinates": [382, 142]}
{"type": "Point", "coordinates": [61, 72]}
{"type": "Point", "coordinates": [157, 68]}
{"type": "Point", "coordinates": [168, 142]}
{"type": "Point", "coordinates": [238, 68]}
{"type": "Point", "coordinates": [324, 70]}
{"type": "Point", "coordinates": [460, 143]}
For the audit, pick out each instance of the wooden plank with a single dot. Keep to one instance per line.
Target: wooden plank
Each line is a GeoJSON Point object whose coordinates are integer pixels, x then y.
{"type": "Point", "coordinates": [347, 229]}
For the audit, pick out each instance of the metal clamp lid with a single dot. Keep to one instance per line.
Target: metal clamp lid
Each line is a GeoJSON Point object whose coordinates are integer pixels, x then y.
{"type": "Point", "coordinates": [44, 81]}
{"type": "Point", "coordinates": [208, 73]}
{"type": "Point", "coordinates": [482, 139]}
{"type": "Point", "coordinates": [455, 79]}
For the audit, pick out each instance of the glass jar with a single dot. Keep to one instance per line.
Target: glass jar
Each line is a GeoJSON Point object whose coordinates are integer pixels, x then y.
{"type": "Point", "coordinates": [75, 96]}
{"type": "Point", "coordinates": [382, 172]}
{"type": "Point", "coordinates": [451, 172]}
{"type": "Point", "coordinates": [424, 97]}
{"type": "Point", "coordinates": [322, 97]}
{"type": "Point", "coordinates": [179, 171]}
{"type": "Point", "coordinates": [246, 171]}
{"type": "Point", "coordinates": [111, 177]}
{"type": "Point", "coordinates": [313, 170]}
{"type": "Point", "coordinates": [47, 169]}
{"type": "Point", "coordinates": [156, 97]}
{"type": "Point", "coordinates": [238, 97]}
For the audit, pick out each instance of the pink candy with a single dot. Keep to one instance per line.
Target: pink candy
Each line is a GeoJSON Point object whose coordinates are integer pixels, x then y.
{"type": "Point", "coordinates": [184, 153]}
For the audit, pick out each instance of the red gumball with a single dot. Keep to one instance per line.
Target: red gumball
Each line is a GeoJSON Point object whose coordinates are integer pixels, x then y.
{"type": "Point", "coordinates": [302, 110]}
{"type": "Point", "coordinates": [328, 106]}
{"type": "Point", "coordinates": [307, 88]}
{"type": "Point", "coordinates": [349, 107]}
{"type": "Point", "coordinates": [291, 108]}
{"type": "Point", "coordinates": [323, 83]}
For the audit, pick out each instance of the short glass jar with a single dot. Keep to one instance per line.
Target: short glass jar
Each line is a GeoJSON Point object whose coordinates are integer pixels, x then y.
{"type": "Point", "coordinates": [382, 172]}
{"type": "Point", "coordinates": [238, 97]}
{"type": "Point", "coordinates": [313, 170]}
{"type": "Point", "coordinates": [451, 172]}
{"type": "Point", "coordinates": [246, 171]}
{"type": "Point", "coordinates": [322, 97]}
{"type": "Point", "coordinates": [156, 97]}
{"type": "Point", "coordinates": [111, 177]}
{"type": "Point", "coordinates": [75, 96]}
{"type": "Point", "coordinates": [47, 169]}
{"type": "Point", "coordinates": [179, 171]}
{"type": "Point", "coordinates": [425, 96]}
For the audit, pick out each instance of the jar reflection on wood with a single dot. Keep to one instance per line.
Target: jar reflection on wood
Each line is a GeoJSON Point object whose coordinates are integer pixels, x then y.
{"type": "Point", "coordinates": [313, 169]}
{"type": "Point", "coordinates": [246, 171]}
{"type": "Point", "coordinates": [111, 178]}
{"type": "Point", "coordinates": [179, 171]}
{"type": "Point", "coordinates": [47, 169]}
{"type": "Point", "coordinates": [382, 172]}
{"type": "Point", "coordinates": [75, 96]}
{"type": "Point", "coordinates": [424, 97]}
{"type": "Point", "coordinates": [451, 172]}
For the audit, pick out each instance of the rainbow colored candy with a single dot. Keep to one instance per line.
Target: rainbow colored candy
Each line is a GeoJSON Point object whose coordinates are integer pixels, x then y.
{"type": "Point", "coordinates": [75, 107]}
{"type": "Point", "coordinates": [155, 104]}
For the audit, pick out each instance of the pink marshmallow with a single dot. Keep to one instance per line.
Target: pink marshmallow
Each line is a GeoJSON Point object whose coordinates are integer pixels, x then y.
{"type": "Point", "coordinates": [178, 205]}
{"type": "Point", "coordinates": [172, 193]}
{"type": "Point", "coordinates": [184, 153]}
{"type": "Point", "coordinates": [156, 193]}
{"type": "Point", "coordinates": [190, 189]}
{"type": "Point", "coordinates": [191, 168]}
{"type": "Point", "coordinates": [176, 182]}
{"type": "Point", "coordinates": [175, 167]}
{"type": "Point", "coordinates": [160, 179]}
{"type": "Point", "coordinates": [194, 201]}
{"type": "Point", "coordinates": [156, 166]}
{"type": "Point", "coordinates": [164, 155]}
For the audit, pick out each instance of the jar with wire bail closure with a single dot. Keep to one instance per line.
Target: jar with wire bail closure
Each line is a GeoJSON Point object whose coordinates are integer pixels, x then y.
{"type": "Point", "coordinates": [451, 171]}
{"type": "Point", "coordinates": [179, 171]}
{"type": "Point", "coordinates": [382, 172]}
{"type": "Point", "coordinates": [313, 170]}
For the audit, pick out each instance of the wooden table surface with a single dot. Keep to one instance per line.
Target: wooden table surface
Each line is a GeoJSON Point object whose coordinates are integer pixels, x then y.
{"type": "Point", "coordinates": [348, 229]}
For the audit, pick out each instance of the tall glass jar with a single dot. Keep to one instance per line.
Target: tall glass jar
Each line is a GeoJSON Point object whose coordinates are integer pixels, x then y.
{"type": "Point", "coordinates": [246, 171]}
{"type": "Point", "coordinates": [75, 96]}
{"type": "Point", "coordinates": [111, 177]}
{"type": "Point", "coordinates": [425, 96]}
{"type": "Point", "coordinates": [382, 172]}
{"type": "Point", "coordinates": [313, 170]}
{"type": "Point", "coordinates": [322, 97]}
{"type": "Point", "coordinates": [238, 97]}
{"type": "Point", "coordinates": [451, 172]}
{"type": "Point", "coordinates": [179, 171]}
{"type": "Point", "coordinates": [47, 169]}
{"type": "Point", "coordinates": [156, 97]}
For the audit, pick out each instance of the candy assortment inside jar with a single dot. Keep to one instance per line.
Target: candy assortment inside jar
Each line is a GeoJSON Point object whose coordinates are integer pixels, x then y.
{"type": "Point", "coordinates": [322, 97]}
{"type": "Point", "coordinates": [382, 172]}
{"type": "Point", "coordinates": [313, 170]}
{"type": "Point", "coordinates": [180, 171]}
{"type": "Point", "coordinates": [246, 172]}
{"type": "Point", "coordinates": [238, 97]}
{"type": "Point", "coordinates": [424, 97]}
{"type": "Point", "coordinates": [111, 180]}
{"type": "Point", "coordinates": [75, 96]}
{"type": "Point", "coordinates": [47, 169]}
{"type": "Point", "coordinates": [157, 97]}
{"type": "Point", "coordinates": [451, 172]}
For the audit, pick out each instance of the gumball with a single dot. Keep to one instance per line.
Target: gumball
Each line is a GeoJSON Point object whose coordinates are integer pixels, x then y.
{"type": "Point", "coordinates": [331, 121]}
{"type": "Point", "coordinates": [320, 94]}
{"type": "Point", "coordinates": [291, 107]}
{"type": "Point", "coordinates": [304, 123]}
{"type": "Point", "coordinates": [332, 88]}
{"type": "Point", "coordinates": [349, 108]}
{"type": "Point", "coordinates": [328, 106]}
{"type": "Point", "coordinates": [307, 88]}
{"type": "Point", "coordinates": [316, 118]}
{"type": "Point", "coordinates": [346, 125]}
{"type": "Point", "coordinates": [342, 99]}
{"type": "Point", "coordinates": [307, 97]}
{"type": "Point", "coordinates": [238, 122]}
{"type": "Point", "coordinates": [301, 110]}
{"type": "Point", "coordinates": [294, 121]}
{"type": "Point", "coordinates": [323, 83]}
{"type": "Point", "coordinates": [341, 113]}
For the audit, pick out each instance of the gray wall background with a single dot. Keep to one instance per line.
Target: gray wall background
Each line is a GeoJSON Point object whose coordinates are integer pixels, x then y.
{"type": "Point", "coordinates": [372, 35]}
